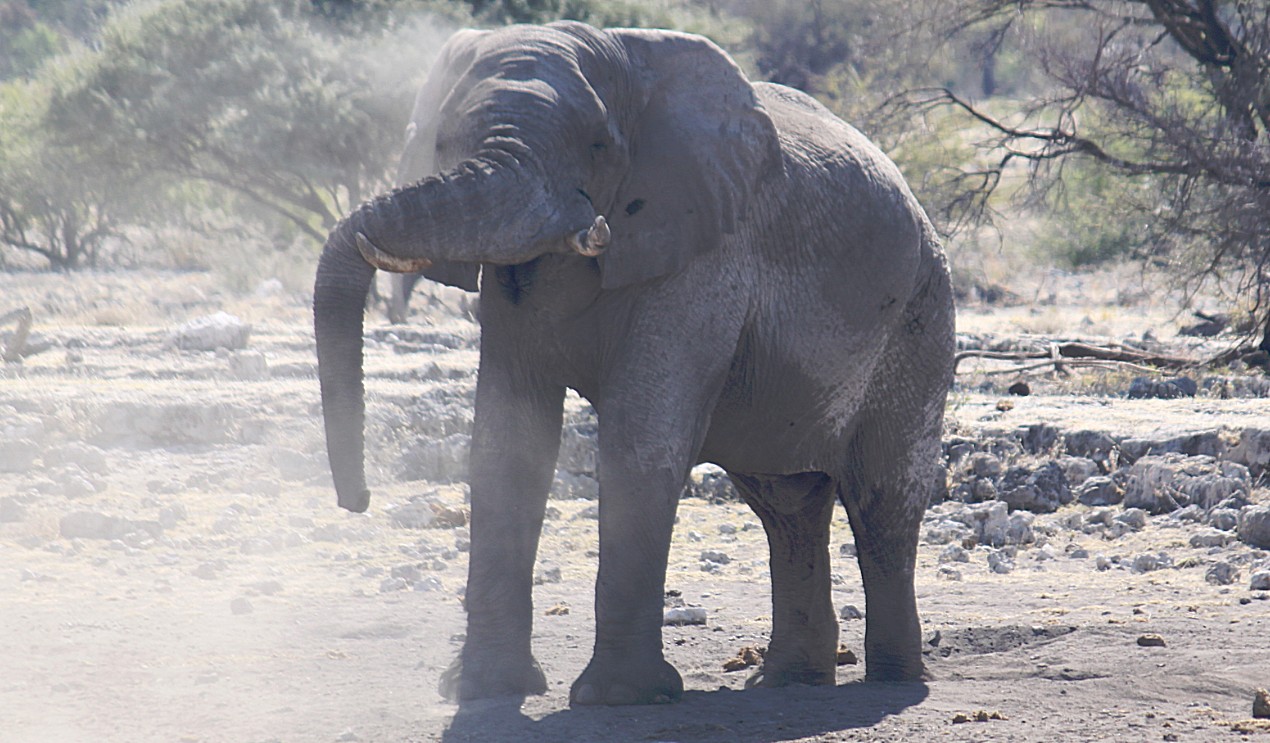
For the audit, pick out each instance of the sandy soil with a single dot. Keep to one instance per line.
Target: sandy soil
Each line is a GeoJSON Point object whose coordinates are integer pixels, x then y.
{"type": "Point", "coordinates": [216, 593]}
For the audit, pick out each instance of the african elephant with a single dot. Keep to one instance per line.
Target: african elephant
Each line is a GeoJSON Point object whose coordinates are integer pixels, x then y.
{"type": "Point", "coordinates": [726, 271]}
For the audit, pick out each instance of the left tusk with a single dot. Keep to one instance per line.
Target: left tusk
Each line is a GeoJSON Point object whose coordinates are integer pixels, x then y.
{"type": "Point", "coordinates": [384, 262]}
{"type": "Point", "coordinates": [593, 240]}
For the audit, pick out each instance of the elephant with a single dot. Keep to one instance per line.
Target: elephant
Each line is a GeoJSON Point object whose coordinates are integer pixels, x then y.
{"type": "Point", "coordinates": [726, 271]}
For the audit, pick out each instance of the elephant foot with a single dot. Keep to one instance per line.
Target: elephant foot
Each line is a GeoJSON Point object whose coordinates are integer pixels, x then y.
{"type": "Point", "coordinates": [483, 680]}
{"type": "Point", "coordinates": [636, 682]}
{"type": "Point", "coordinates": [772, 675]}
{"type": "Point", "coordinates": [894, 670]}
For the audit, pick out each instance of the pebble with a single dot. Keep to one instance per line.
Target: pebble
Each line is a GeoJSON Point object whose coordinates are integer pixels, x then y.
{"type": "Point", "coordinates": [715, 556]}
{"type": "Point", "coordinates": [850, 612]}
{"type": "Point", "coordinates": [1260, 581]}
{"type": "Point", "coordinates": [1151, 641]}
{"type": "Point", "coordinates": [954, 553]}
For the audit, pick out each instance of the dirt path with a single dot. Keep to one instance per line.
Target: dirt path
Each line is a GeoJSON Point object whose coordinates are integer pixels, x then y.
{"type": "Point", "coordinates": [175, 568]}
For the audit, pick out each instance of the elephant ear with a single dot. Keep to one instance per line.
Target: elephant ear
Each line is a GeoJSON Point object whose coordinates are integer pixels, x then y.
{"type": "Point", "coordinates": [418, 158]}
{"type": "Point", "coordinates": [699, 149]}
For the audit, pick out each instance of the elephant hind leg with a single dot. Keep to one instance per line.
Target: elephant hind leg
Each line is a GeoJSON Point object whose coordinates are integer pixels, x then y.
{"type": "Point", "coordinates": [890, 473]}
{"type": "Point", "coordinates": [795, 511]}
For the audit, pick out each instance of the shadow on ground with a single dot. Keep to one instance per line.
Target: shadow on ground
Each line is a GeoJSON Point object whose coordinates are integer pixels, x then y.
{"type": "Point", "coordinates": [751, 716]}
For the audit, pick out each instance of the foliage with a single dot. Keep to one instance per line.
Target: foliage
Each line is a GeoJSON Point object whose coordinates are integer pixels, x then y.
{"type": "Point", "coordinates": [235, 93]}
{"type": "Point", "coordinates": [46, 209]}
{"type": "Point", "coordinates": [1174, 93]}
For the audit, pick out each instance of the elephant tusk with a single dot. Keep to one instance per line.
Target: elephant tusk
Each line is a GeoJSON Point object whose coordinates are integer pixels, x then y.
{"type": "Point", "coordinates": [593, 240]}
{"type": "Point", "coordinates": [384, 262]}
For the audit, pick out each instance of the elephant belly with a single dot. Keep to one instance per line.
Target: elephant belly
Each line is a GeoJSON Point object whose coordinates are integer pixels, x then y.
{"type": "Point", "coordinates": [785, 417]}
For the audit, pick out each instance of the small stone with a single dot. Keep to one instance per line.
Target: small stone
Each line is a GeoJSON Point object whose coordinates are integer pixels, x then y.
{"type": "Point", "coordinates": [1102, 562]}
{"type": "Point", "coordinates": [209, 333]}
{"type": "Point", "coordinates": [1134, 518]}
{"type": "Point", "coordinates": [1148, 562]}
{"type": "Point", "coordinates": [393, 584]}
{"type": "Point", "coordinates": [948, 573]}
{"type": "Point", "coordinates": [954, 553]}
{"type": "Point", "coordinates": [1254, 526]}
{"type": "Point", "coordinates": [1221, 574]}
{"type": "Point", "coordinates": [548, 575]}
{"type": "Point", "coordinates": [715, 556]}
{"type": "Point", "coordinates": [1210, 538]}
{"type": "Point", "coordinates": [1099, 491]}
{"type": "Point", "coordinates": [240, 605]}
{"type": "Point", "coordinates": [559, 610]}
{"type": "Point", "coordinates": [1019, 388]}
{"type": "Point", "coordinates": [1151, 641]}
{"type": "Point", "coordinates": [684, 615]}
{"type": "Point", "coordinates": [1000, 562]}
{"type": "Point", "coordinates": [960, 717]}
{"type": "Point", "coordinates": [1260, 581]}
{"type": "Point", "coordinates": [1261, 705]}
{"type": "Point", "coordinates": [850, 612]}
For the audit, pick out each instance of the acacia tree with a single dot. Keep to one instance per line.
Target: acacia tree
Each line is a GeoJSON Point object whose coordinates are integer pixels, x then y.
{"type": "Point", "coordinates": [1174, 93]}
{"type": "Point", "coordinates": [46, 207]}
{"type": "Point", "coordinates": [239, 94]}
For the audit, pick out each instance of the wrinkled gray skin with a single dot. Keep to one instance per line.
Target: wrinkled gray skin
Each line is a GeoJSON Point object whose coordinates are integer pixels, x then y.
{"type": "Point", "coordinates": [773, 300]}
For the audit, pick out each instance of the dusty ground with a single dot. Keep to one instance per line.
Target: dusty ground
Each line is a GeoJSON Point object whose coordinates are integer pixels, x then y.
{"type": "Point", "coordinates": [216, 593]}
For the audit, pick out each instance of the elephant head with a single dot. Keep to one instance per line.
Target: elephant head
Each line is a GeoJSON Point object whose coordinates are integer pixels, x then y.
{"type": "Point", "coordinates": [636, 149]}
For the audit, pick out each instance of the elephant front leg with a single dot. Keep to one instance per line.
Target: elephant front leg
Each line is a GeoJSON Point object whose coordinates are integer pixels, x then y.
{"type": "Point", "coordinates": [637, 513]}
{"type": "Point", "coordinates": [515, 442]}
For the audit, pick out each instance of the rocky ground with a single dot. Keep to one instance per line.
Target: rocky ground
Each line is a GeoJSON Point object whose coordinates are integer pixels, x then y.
{"type": "Point", "coordinates": [173, 566]}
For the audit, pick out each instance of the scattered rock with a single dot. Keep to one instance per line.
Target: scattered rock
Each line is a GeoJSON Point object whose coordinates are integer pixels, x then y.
{"type": "Point", "coordinates": [559, 610]}
{"type": "Point", "coordinates": [1039, 491]}
{"type": "Point", "coordinates": [1148, 563]}
{"type": "Point", "coordinates": [1254, 526]}
{"type": "Point", "coordinates": [1221, 574]}
{"type": "Point", "coordinates": [1226, 519]}
{"type": "Point", "coordinates": [983, 464]}
{"type": "Point", "coordinates": [1209, 538]}
{"type": "Point", "coordinates": [1019, 388]}
{"type": "Point", "coordinates": [208, 333]}
{"type": "Point", "coordinates": [849, 612]}
{"type": "Point", "coordinates": [684, 615]}
{"type": "Point", "coordinates": [1099, 491]}
{"type": "Point", "coordinates": [715, 556]}
{"type": "Point", "coordinates": [1151, 641]}
{"type": "Point", "coordinates": [1260, 581]}
{"type": "Point", "coordinates": [1000, 562]}
{"type": "Point", "coordinates": [1168, 389]}
{"type": "Point", "coordinates": [1168, 482]}
{"type": "Point", "coordinates": [548, 575]}
{"type": "Point", "coordinates": [711, 482]}
{"type": "Point", "coordinates": [954, 553]}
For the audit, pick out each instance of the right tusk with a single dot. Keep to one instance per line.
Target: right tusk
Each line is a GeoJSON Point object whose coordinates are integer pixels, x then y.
{"type": "Point", "coordinates": [593, 240]}
{"type": "Point", "coordinates": [384, 262]}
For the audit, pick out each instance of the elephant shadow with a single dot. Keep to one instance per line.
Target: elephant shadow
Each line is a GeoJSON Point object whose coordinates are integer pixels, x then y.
{"type": "Point", "coordinates": [751, 716]}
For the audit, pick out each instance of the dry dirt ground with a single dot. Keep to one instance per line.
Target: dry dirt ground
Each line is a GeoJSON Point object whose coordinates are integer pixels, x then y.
{"type": "Point", "coordinates": [173, 566]}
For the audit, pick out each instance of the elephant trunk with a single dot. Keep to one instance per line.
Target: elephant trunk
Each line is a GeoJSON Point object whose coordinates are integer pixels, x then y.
{"type": "Point", "coordinates": [492, 209]}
